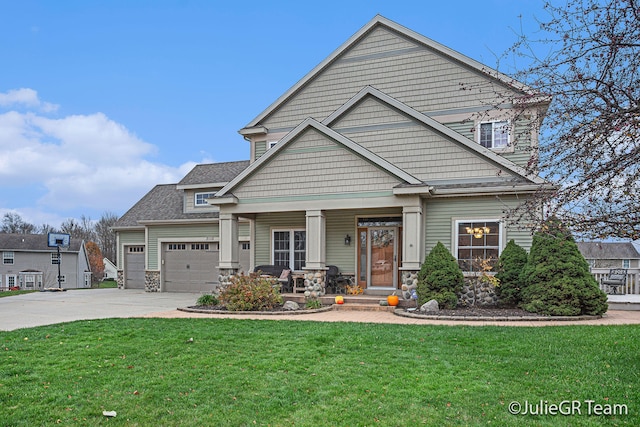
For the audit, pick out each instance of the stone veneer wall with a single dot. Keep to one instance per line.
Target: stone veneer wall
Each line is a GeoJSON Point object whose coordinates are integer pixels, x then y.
{"type": "Point", "coordinates": [485, 293]}
{"type": "Point", "coordinates": [120, 279]}
{"type": "Point", "coordinates": [315, 283]}
{"type": "Point", "coordinates": [151, 281]}
{"type": "Point", "coordinates": [225, 274]}
{"type": "Point", "coordinates": [409, 281]}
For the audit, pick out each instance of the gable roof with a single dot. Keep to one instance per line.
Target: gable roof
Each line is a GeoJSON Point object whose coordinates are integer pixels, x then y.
{"type": "Point", "coordinates": [608, 250]}
{"type": "Point", "coordinates": [212, 174]}
{"type": "Point", "coordinates": [33, 243]}
{"type": "Point", "coordinates": [437, 126]}
{"type": "Point", "coordinates": [337, 137]}
{"type": "Point", "coordinates": [162, 203]}
{"type": "Point", "coordinates": [377, 21]}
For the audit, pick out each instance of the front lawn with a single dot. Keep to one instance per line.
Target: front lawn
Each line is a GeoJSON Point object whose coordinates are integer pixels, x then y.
{"type": "Point", "coordinates": [282, 373]}
{"type": "Point", "coordinates": [13, 293]}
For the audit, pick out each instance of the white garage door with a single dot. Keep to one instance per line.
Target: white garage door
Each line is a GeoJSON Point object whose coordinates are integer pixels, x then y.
{"type": "Point", "coordinates": [134, 267]}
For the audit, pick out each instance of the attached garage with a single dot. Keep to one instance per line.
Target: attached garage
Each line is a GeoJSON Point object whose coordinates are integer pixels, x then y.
{"type": "Point", "coordinates": [134, 267]}
{"type": "Point", "coordinates": [193, 267]}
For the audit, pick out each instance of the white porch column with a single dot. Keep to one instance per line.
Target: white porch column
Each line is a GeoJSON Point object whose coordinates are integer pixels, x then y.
{"type": "Point", "coordinates": [228, 241]}
{"type": "Point", "coordinates": [412, 237]}
{"type": "Point", "coordinates": [316, 240]}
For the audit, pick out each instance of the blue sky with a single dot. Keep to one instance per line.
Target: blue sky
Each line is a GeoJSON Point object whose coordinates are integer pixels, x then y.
{"type": "Point", "coordinates": [102, 100]}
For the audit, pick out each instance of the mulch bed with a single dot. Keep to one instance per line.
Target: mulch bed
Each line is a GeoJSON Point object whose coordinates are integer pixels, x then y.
{"type": "Point", "coordinates": [489, 311]}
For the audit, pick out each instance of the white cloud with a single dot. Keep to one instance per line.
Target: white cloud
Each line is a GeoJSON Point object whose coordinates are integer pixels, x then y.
{"type": "Point", "coordinates": [27, 98]}
{"type": "Point", "coordinates": [79, 162]}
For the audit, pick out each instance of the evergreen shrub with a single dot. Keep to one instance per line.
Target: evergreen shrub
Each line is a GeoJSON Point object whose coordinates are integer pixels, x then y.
{"type": "Point", "coordinates": [440, 278]}
{"type": "Point", "coordinates": [510, 265]}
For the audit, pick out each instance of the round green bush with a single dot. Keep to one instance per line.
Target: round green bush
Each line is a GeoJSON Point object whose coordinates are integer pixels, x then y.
{"type": "Point", "coordinates": [207, 299]}
{"type": "Point", "coordinates": [556, 278]}
{"type": "Point", "coordinates": [510, 265]}
{"type": "Point", "coordinates": [440, 278]}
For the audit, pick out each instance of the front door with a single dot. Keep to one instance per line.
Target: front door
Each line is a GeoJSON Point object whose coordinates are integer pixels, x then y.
{"type": "Point", "coordinates": [378, 258]}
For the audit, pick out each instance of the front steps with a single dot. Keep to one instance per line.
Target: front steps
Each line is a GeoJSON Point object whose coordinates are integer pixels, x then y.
{"type": "Point", "coordinates": [353, 302]}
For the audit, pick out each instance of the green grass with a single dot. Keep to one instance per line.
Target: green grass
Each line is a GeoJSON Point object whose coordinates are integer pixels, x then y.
{"type": "Point", "coordinates": [13, 293]}
{"type": "Point", "coordinates": [283, 373]}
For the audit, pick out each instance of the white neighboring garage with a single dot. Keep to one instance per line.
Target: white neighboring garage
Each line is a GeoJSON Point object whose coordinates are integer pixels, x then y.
{"type": "Point", "coordinates": [193, 267]}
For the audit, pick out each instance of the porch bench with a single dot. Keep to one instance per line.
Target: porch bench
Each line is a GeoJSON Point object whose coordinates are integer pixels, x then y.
{"type": "Point", "coordinates": [617, 278]}
{"type": "Point", "coordinates": [276, 272]}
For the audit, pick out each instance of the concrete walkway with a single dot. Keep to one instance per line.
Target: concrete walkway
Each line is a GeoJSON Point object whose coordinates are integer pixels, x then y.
{"type": "Point", "coordinates": [46, 308]}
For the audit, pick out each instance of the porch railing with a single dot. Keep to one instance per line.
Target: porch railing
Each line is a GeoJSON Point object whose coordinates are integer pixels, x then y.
{"type": "Point", "coordinates": [632, 286]}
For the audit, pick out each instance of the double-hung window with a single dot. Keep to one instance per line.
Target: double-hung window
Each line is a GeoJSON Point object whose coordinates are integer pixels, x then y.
{"type": "Point", "coordinates": [289, 248]}
{"type": "Point", "coordinates": [477, 241]}
{"type": "Point", "coordinates": [7, 257]}
{"type": "Point", "coordinates": [201, 198]}
{"type": "Point", "coordinates": [494, 134]}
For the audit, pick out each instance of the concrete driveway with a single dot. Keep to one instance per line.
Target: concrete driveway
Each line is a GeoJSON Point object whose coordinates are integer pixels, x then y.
{"type": "Point", "coordinates": [46, 308]}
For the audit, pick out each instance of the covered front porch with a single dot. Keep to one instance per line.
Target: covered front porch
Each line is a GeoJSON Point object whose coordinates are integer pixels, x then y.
{"type": "Point", "coordinates": [378, 248]}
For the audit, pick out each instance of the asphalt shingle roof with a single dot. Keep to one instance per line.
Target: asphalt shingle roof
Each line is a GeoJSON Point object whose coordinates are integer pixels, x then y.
{"type": "Point", "coordinates": [32, 242]}
{"type": "Point", "coordinates": [608, 250]}
{"type": "Point", "coordinates": [214, 173]}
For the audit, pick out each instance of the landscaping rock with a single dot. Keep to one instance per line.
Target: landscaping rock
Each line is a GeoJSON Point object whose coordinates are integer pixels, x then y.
{"type": "Point", "coordinates": [291, 306]}
{"type": "Point", "coordinates": [430, 306]}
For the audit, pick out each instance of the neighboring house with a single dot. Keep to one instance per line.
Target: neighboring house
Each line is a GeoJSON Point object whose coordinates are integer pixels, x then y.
{"type": "Point", "coordinates": [610, 254]}
{"type": "Point", "coordinates": [110, 270]}
{"type": "Point", "coordinates": [28, 262]}
{"type": "Point", "coordinates": [391, 144]}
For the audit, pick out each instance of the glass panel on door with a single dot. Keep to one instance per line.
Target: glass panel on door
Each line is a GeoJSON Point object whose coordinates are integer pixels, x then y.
{"type": "Point", "coordinates": [382, 241]}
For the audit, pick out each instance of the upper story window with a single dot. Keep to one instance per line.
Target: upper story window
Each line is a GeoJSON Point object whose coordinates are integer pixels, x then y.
{"type": "Point", "coordinates": [626, 263]}
{"type": "Point", "coordinates": [7, 257]}
{"type": "Point", "coordinates": [55, 258]}
{"type": "Point", "coordinates": [201, 198]}
{"type": "Point", "coordinates": [494, 134]}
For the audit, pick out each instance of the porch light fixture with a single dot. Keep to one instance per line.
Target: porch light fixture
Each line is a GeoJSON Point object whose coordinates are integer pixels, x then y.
{"type": "Point", "coordinates": [347, 240]}
{"type": "Point", "coordinates": [478, 232]}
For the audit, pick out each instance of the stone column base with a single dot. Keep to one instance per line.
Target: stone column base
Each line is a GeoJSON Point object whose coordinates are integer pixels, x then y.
{"type": "Point", "coordinates": [409, 282]}
{"type": "Point", "coordinates": [315, 283]}
{"type": "Point", "coordinates": [224, 278]}
{"type": "Point", "coordinates": [120, 279]}
{"type": "Point", "coordinates": [152, 281]}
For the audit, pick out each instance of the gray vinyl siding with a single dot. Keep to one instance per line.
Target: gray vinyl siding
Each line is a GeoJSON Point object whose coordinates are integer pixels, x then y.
{"type": "Point", "coordinates": [190, 201]}
{"type": "Point", "coordinates": [440, 215]}
{"type": "Point", "coordinates": [465, 128]}
{"type": "Point", "coordinates": [314, 164]}
{"type": "Point", "coordinates": [521, 139]}
{"type": "Point", "coordinates": [260, 148]}
{"type": "Point", "coordinates": [182, 233]}
{"type": "Point", "coordinates": [264, 223]}
{"type": "Point", "coordinates": [410, 145]}
{"type": "Point", "coordinates": [411, 73]}
{"type": "Point", "coordinates": [128, 238]}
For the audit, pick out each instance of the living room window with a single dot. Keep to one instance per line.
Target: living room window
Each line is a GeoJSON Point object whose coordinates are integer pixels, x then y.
{"type": "Point", "coordinates": [201, 198]}
{"type": "Point", "coordinates": [7, 257]}
{"type": "Point", "coordinates": [289, 248]}
{"type": "Point", "coordinates": [477, 241]}
{"type": "Point", "coordinates": [494, 134]}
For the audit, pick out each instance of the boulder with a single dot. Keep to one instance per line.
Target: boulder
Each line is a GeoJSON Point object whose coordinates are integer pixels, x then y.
{"type": "Point", "coordinates": [291, 306]}
{"type": "Point", "coordinates": [430, 306]}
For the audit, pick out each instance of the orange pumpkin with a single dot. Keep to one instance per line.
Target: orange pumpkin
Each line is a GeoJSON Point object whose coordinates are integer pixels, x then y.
{"type": "Point", "coordinates": [393, 300]}
{"type": "Point", "coordinates": [339, 299]}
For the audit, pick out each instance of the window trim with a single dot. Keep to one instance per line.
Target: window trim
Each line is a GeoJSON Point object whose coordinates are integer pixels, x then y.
{"type": "Point", "coordinates": [8, 258]}
{"type": "Point", "coordinates": [201, 193]}
{"type": "Point", "coordinates": [626, 263]}
{"type": "Point", "coordinates": [292, 251]}
{"type": "Point", "coordinates": [507, 123]}
{"type": "Point", "coordinates": [456, 227]}
{"type": "Point", "coordinates": [271, 144]}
